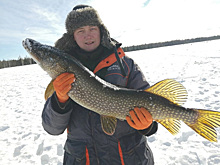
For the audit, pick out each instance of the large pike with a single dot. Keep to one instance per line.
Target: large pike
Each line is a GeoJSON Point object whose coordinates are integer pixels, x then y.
{"type": "Point", "coordinates": [163, 100]}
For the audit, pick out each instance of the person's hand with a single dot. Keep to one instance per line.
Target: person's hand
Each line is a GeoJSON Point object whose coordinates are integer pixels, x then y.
{"type": "Point", "coordinates": [62, 85]}
{"type": "Point", "coordinates": [140, 118]}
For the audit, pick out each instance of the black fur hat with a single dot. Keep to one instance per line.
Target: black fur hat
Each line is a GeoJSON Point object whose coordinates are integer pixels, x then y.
{"type": "Point", "coordinates": [83, 15]}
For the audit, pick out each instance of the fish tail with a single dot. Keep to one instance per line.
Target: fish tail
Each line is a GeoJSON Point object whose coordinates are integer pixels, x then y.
{"type": "Point", "coordinates": [206, 123]}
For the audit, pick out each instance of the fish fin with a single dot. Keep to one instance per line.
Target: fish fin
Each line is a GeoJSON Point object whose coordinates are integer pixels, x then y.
{"type": "Point", "coordinates": [108, 124]}
{"type": "Point", "coordinates": [172, 125]}
{"type": "Point", "coordinates": [49, 90]}
{"type": "Point", "coordinates": [171, 90]}
{"type": "Point", "coordinates": [206, 123]}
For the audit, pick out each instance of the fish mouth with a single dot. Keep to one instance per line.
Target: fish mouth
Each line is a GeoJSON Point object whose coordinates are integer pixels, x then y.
{"type": "Point", "coordinates": [28, 45]}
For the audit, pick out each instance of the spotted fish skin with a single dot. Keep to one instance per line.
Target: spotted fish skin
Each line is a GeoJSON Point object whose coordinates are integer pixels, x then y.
{"type": "Point", "coordinates": [163, 100]}
{"type": "Point", "coordinates": [94, 93]}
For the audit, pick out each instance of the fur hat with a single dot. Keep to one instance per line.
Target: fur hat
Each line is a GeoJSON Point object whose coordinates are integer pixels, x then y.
{"type": "Point", "coordinates": [83, 15]}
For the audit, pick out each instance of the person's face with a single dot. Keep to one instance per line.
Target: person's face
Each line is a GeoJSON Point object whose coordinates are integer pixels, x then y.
{"type": "Point", "coordinates": [87, 37]}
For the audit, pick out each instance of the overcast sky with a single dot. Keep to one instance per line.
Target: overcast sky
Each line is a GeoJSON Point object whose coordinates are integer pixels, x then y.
{"type": "Point", "coordinates": [129, 22]}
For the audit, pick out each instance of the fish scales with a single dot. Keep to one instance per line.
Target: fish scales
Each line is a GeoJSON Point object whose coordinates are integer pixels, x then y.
{"type": "Point", "coordinates": [111, 102]}
{"type": "Point", "coordinates": [163, 100]}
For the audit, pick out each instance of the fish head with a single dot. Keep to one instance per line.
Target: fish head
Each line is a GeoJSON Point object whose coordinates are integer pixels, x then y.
{"type": "Point", "coordinates": [47, 57]}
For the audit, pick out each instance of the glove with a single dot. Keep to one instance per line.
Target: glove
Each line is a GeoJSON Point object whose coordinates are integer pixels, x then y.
{"type": "Point", "coordinates": [62, 85]}
{"type": "Point", "coordinates": [140, 118]}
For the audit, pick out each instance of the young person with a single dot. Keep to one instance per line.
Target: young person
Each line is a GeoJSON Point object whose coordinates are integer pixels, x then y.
{"type": "Point", "coordinates": [88, 40]}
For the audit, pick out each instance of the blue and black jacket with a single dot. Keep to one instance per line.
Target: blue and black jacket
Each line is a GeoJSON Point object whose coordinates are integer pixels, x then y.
{"type": "Point", "coordinates": [86, 142]}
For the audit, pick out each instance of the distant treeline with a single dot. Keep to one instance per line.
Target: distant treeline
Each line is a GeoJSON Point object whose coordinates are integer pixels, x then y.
{"type": "Point", "coordinates": [169, 43]}
{"type": "Point", "coordinates": [27, 61]}
{"type": "Point", "coordinates": [19, 62]}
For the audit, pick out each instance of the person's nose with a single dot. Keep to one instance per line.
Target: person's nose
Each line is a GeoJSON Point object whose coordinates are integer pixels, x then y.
{"type": "Point", "coordinates": [88, 35]}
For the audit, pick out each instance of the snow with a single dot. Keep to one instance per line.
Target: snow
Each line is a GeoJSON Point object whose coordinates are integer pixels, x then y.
{"type": "Point", "coordinates": [196, 66]}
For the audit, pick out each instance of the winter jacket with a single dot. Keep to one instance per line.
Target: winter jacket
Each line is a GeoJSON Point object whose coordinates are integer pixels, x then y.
{"type": "Point", "coordinates": [86, 142]}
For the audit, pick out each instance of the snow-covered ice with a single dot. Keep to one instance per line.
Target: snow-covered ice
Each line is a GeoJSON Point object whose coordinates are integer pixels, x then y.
{"type": "Point", "coordinates": [196, 66]}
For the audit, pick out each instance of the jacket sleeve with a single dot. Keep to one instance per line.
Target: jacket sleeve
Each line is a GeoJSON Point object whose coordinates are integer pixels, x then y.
{"type": "Point", "coordinates": [137, 80]}
{"type": "Point", "coordinates": [55, 117]}
{"type": "Point", "coordinates": [152, 129]}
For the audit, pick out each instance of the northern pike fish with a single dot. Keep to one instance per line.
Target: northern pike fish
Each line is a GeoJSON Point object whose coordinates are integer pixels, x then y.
{"type": "Point", "coordinates": [163, 100]}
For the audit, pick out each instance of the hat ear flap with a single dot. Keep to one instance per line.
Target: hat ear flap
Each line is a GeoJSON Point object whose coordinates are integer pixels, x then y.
{"type": "Point", "coordinates": [105, 38]}
{"type": "Point", "coordinates": [66, 42]}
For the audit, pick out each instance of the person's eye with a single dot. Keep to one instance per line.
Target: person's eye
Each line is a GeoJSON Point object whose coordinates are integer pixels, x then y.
{"type": "Point", "coordinates": [93, 28]}
{"type": "Point", "coordinates": [80, 31]}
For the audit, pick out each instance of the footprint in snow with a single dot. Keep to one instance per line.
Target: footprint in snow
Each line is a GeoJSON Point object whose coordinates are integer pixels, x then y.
{"type": "Point", "coordinates": [17, 150]}
{"type": "Point", "coordinates": [40, 148]}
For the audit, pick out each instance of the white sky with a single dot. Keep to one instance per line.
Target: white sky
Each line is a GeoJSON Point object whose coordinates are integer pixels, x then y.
{"type": "Point", "coordinates": [129, 22]}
